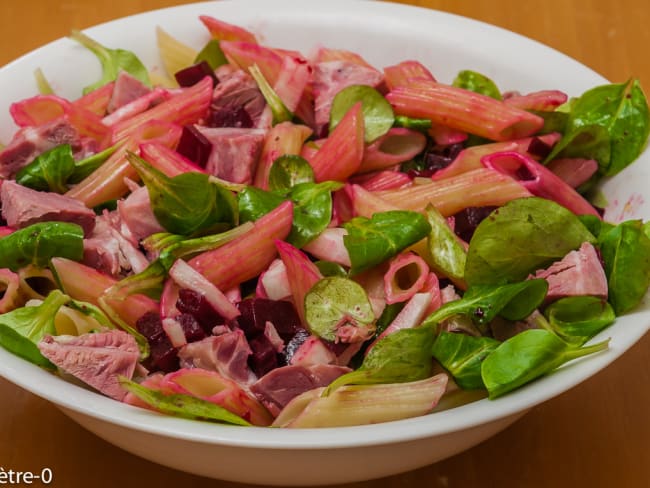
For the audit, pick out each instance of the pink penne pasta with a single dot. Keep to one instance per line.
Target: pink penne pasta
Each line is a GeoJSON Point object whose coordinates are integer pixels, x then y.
{"type": "Point", "coordinates": [470, 158]}
{"type": "Point", "coordinates": [108, 181]}
{"type": "Point", "coordinates": [365, 203]}
{"type": "Point", "coordinates": [383, 180]}
{"type": "Point", "coordinates": [573, 171]}
{"type": "Point", "coordinates": [302, 274]}
{"type": "Point", "coordinates": [325, 54]}
{"type": "Point", "coordinates": [281, 139]}
{"type": "Point", "coordinates": [89, 285]}
{"type": "Point", "coordinates": [46, 108]}
{"type": "Point", "coordinates": [137, 106]}
{"type": "Point", "coordinates": [246, 54]}
{"type": "Point", "coordinates": [10, 296]}
{"type": "Point", "coordinates": [215, 388]}
{"type": "Point", "coordinates": [463, 110]}
{"type": "Point", "coordinates": [97, 100]}
{"type": "Point", "coordinates": [401, 74]}
{"type": "Point", "coordinates": [544, 100]}
{"type": "Point", "coordinates": [329, 246]}
{"type": "Point", "coordinates": [406, 275]}
{"type": "Point", "coordinates": [476, 188]}
{"type": "Point", "coordinates": [166, 159]}
{"type": "Point", "coordinates": [223, 31]}
{"type": "Point", "coordinates": [539, 180]}
{"type": "Point", "coordinates": [293, 78]}
{"type": "Point", "coordinates": [341, 154]}
{"type": "Point", "coordinates": [248, 255]}
{"type": "Point", "coordinates": [445, 136]}
{"type": "Point", "coordinates": [186, 107]}
{"type": "Point", "coordinates": [394, 147]}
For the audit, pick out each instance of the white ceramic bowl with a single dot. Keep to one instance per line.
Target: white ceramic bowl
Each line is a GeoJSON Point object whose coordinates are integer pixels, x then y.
{"type": "Point", "coordinates": [383, 33]}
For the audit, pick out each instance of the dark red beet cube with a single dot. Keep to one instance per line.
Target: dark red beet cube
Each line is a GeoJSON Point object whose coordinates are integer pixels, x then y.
{"type": "Point", "coordinates": [255, 312]}
{"type": "Point", "coordinates": [193, 74]}
{"type": "Point", "coordinates": [264, 357]}
{"type": "Point", "coordinates": [196, 305]}
{"type": "Point", "coordinates": [194, 146]}
{"type": "Point", "coordinates": [236, 117]}
{"type": "Point", "coordinates": [191, 328]}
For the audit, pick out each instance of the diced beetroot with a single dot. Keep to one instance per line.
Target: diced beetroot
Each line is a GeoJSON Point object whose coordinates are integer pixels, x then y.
{"type": "Point", "coordinates": [229, 117]}
{"type": "Point", "coordinates": [191, 75]}
{"type": "Point", "coordinates": [163, 356]}
{"type": "Point", "coordinates": [255, 312]}
{"type": "Point", "coordinates": [191, 328]}
{"type": "Point", "coordinates": [264, 357]}
{"type": "Point", "coordinates": [194, 304]}
{"type": "Point", "coordinates": [150, 326]}
{"type": "Point", "coordinates": [437, 158]}
{"type": "Point", "coordinates": [194, 146]}
{"type": "Point", "coordinates": [468, 219]}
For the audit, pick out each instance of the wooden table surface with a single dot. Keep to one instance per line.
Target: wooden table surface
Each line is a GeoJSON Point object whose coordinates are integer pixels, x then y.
{"type": "Point", "coordinates": [597, 435]}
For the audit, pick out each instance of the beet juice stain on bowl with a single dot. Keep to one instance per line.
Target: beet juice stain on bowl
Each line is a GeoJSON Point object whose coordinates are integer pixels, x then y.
{"type": "Point", "coordinates": [196, 308]}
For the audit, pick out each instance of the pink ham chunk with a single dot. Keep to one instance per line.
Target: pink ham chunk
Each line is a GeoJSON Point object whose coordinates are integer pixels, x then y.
{"type": "Point", "coordinates": [108, 251]}
{"type": "Point", "coordinates": [22, 206]}
{"type": "Point", "coordinates": [578, 273]}
{"type": "Point", "coordinates": [226, 354]}
{"type": "Point", "coordinates": [234, 153]}
{"type": "Point", "coordinates": [126, 89]}
{"type": "Point", "coordinates": [238, 90]}
{"type": "Point", "coordinates": [137, 215]}
{"type": "Point", "coordinates": [97, 359]}
{"type": "Point", "coordinates": [29, 142]}
{"type": "Point", "coordinates": [278, 387]}
{"type": "Point", "coordinates": [329, 78]}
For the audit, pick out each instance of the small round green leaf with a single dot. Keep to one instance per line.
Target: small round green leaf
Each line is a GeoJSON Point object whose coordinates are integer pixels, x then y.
{"type": "Point", "coordinates": [378, 115]}
{"type": "Point", "coordinates": [289, 170]}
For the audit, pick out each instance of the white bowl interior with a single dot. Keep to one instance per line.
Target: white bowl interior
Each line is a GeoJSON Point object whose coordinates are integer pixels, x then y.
{"type": "Point", "coordinates": [383, 33]}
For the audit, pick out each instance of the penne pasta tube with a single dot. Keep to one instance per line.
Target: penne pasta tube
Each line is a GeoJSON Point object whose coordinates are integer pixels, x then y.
{"type": "Point", "coordinates": [215, 388]}
{"type": "Point", "coordinates": [366, 203]}
{"type": "Point", "coordinates": [406, 275]}
{"type": "Point", "coordinates": [476, 188]}
{"type": "Point", "coordinates": [573, 171]}
{"type": "Point", "coordinates": [249, 254]}
{"type": "Point", "coordinates": [108, 181]}
{"type": "Point", "coordinates": [10, 294]}
{"type": "Point", "coordinates": [223, 31]}
{"type": "Point", "coordinates": [539, 180]}
{"type": "Point", "coordinates": [463, 110]}
{"type": "Point", "coordinates": [544, 100]}
{"type": "Point", "coordinates": [470, 158]}
{"type": "Point", "coordinates": [396, 146]}
{"type": "Point", "coordinates": [84, 283]}
{"type": "Point", "coordinates": [401, 74]}
{"type": "Point", "coordinates": [40, 109]}
{"type": "Point", "coordinates": [363, 404]}
{"type": "Point", "coordinates": [301, 272]}
{"type": "Point", "coordinates": [36, 282]}
{"type": "Point", "coordinates": [174, 54]}
{"type": "Point", "coordinates": [189, 105]}
{"type": "Point", "coordinates": [383, 180]}
{"type": "Point", "coordinates": [283, 138]}
{"type": "Point", "coordinates": [97, 100]}
{"type": "Point", "coordinates": [325, 54]}
{"type": "Point", "coordinates": [166, 159]}
{"type": "Point", "coordinates": [445, 136]}
{"type": "Point", "coordinates": [341, 154]}
{"type": "Point", "coordinates": [246, 54]}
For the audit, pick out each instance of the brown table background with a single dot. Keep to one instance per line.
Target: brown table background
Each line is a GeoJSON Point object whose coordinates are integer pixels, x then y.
{"type": "Point", "coordinates": [597, 435]}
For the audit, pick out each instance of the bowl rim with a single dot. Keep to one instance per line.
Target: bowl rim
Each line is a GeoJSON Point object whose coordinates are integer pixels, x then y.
{"type": "Point", "coordinates": [91, 404]}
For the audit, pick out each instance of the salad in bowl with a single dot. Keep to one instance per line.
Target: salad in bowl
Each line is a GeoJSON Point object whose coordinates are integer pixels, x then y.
{"type": "Point", "coordinates": [277, 237]}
